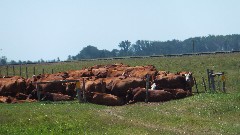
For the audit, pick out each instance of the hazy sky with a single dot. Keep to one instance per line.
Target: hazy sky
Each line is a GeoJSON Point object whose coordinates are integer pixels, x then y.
{"type": "Point", "coordinates": [47, 29]}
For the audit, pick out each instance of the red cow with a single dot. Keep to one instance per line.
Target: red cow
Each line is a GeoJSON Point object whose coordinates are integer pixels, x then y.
{"type": "Point", "coordinates": [104, 99]}
{"type": "Point", "coordinates": [178, 93]}
{"type": "Point", "coordinates": [171, 81]}
{"type": "Point", "coordinates": [12, 86]}
{"type": "Point", "coordinates": [95, 86]}
{"type": "Point", "coordinates": [139, 95]}
{"type": "Point", "coordinates": [120, 87]}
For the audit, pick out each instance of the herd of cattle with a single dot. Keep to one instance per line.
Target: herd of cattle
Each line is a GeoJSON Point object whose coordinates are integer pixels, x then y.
{"type": "Point", "coordinates": [115, 84]}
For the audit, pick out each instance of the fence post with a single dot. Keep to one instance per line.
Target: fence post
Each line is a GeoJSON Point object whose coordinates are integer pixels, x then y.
{"type": "Point", "coordinates": [223, 79]}
{"type": "Point", "coordinates": [26, 72]}
{"type": "Point", "coordinates": [20, 70]}
{"type": "Point", "coordinates": [38, 92]}
{"type": "Point", "coordinates": [195, 82]}
{"type": "Point", "coordinates": [7, 70]}
{"type": "Point", "coordinates": [13, 71]}
{"type": "Point", "coordinates": [212, 81]}
{"type": "Point", "coordinates": [83, 91]}
{"type": "Point", "coordinates": [52, 71]}
{"type": "Point", "coordinates": [209, 83]}
{"type": "Point", "coordinates": [34, 70]}
{"type": "Point", "coordinates": [204, 84]}
{"type": "Point", "coordinates": [147, 86]}
{"type": "Point", "coordinates": [43, 71]}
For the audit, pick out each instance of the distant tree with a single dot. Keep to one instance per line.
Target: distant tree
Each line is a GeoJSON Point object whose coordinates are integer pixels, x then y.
{"type": "Point", "coordinates": [88, 52]}
{"type": "Point", "coordinates": [69, 57]}
{"type": "Point", "coordinates": [3, 60]}
{"type": "Point", "coordinates": [115, 53]}
{"type": "Point", "coordinates": [41, 61]}
{"type": "Point", "coordinates": [104, 54]}
{"type": "Point", "coordinates": [28, 62]}
{"type": "Point", "coordinates": [13, 62]}
{"type": "Point", "coordinates": [19, 62]}
{"type": "Point", "coordinates": [125, 46]}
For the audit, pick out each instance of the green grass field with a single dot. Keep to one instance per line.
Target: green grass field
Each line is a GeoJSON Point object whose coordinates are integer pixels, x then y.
{"type": "Point", "coordinates": [205, 113]}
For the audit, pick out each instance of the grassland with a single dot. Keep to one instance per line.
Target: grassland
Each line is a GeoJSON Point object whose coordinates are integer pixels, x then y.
{"type": "Point", "coordinates": [204, 113]}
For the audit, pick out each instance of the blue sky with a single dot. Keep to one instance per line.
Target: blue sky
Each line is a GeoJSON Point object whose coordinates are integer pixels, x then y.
{"type": "Point", "coordinates": [47, 29]}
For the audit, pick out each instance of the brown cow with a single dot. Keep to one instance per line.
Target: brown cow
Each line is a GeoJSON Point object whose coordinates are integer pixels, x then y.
{"type": "Point", "coordinates": [139, 95]}
{"type": "Point", "coordinates": [100, 72]}
{"type": "Point", "coordinates": [120, 87]}
{"type": "Point", "coordinates": [21, 96]}
{"type": "Point", "coordinates": [8, 99]}
{"type": "Point", "coordinates": [104, 99]}
{"type": "Point", "coordinates": [178, 93]}
{"type": "Point", "coordinates": [115, 66]}
{"type": "Point", "coordinates": [47, 96]}
{"type": "Point", "coordinates": [55, 97]}
{"type": "Point", "coordinates": [56, 87]}
{"type": "Point", "coordinates": [171, 81]}
{"type": "Point", "coordinates": [11, 86]}
{"type": "Point", "coordinates": [76, 74]}
{"type": "Point", "coordinates": [95, 86]}
{"type": "Point", "coordinates": [3, 99]}
{"type": "Point", "coordinates": [115, 73]}
{"type": "Point", "coordinates": [71, 89]}
{"type": "Point", "coordinates": [142, 71]}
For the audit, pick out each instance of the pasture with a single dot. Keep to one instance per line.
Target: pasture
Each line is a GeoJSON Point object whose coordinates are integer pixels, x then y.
{"type": "Point", "coordinates": [204, 113]}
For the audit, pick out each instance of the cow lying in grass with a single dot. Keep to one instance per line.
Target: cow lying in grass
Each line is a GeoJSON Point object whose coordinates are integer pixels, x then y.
{"type": "Point", "coordinates": [9, 99]}
{"type": "Point", "coordinates": [139, 95]}
{"type": "Point", "coordinates": [178, 93]}
{"type": "Point", "coordinates": [104, 99]}
{"type": "Point", "coordinates": [47, 96]}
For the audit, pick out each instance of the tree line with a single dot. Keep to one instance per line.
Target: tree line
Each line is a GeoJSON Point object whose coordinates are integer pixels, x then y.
{"type": "Point", "coordinates": [210, 43]}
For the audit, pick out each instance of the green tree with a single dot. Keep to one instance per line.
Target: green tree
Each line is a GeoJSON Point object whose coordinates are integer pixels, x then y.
{"type": "Point", "coordinates": [88, 52]}
{"type": "Point", "coordinates": [124, 45]}
{"type": "Point", "coordinates": [3, 60]}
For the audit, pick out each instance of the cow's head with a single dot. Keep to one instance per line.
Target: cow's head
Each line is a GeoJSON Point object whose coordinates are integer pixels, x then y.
{"type": "Point", "coordinates": [189, 79]}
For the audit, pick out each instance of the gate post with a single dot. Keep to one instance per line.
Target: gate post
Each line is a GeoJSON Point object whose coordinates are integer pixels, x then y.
{"type": "Point", "coordinates": [223, 79]}
{"type": "Point", "coordinates": [204, 84]}
{"type": "Point", "coordinates": [7, 70]}
{"type": "Point", "coordinates": [26, 72]}
{"type": "Point", "coordinates": [195, 82]}
{"type": "Point", "coordinates": [83, 91]}
{"type": "Point", "coordinates": [13, 71]}
{"type": "Point", "coordinates": [212, 81]}
{"type": "Point", "coordinates": [209, 83]}
{"type": "Point", "coordinates": [20, 70]}
{"type": "Point", "coordinates": [147, 86]}
{"type": "Point", "coordinates": [34, 70]}
{"type": "Point", "coordinates": [38, 92]}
